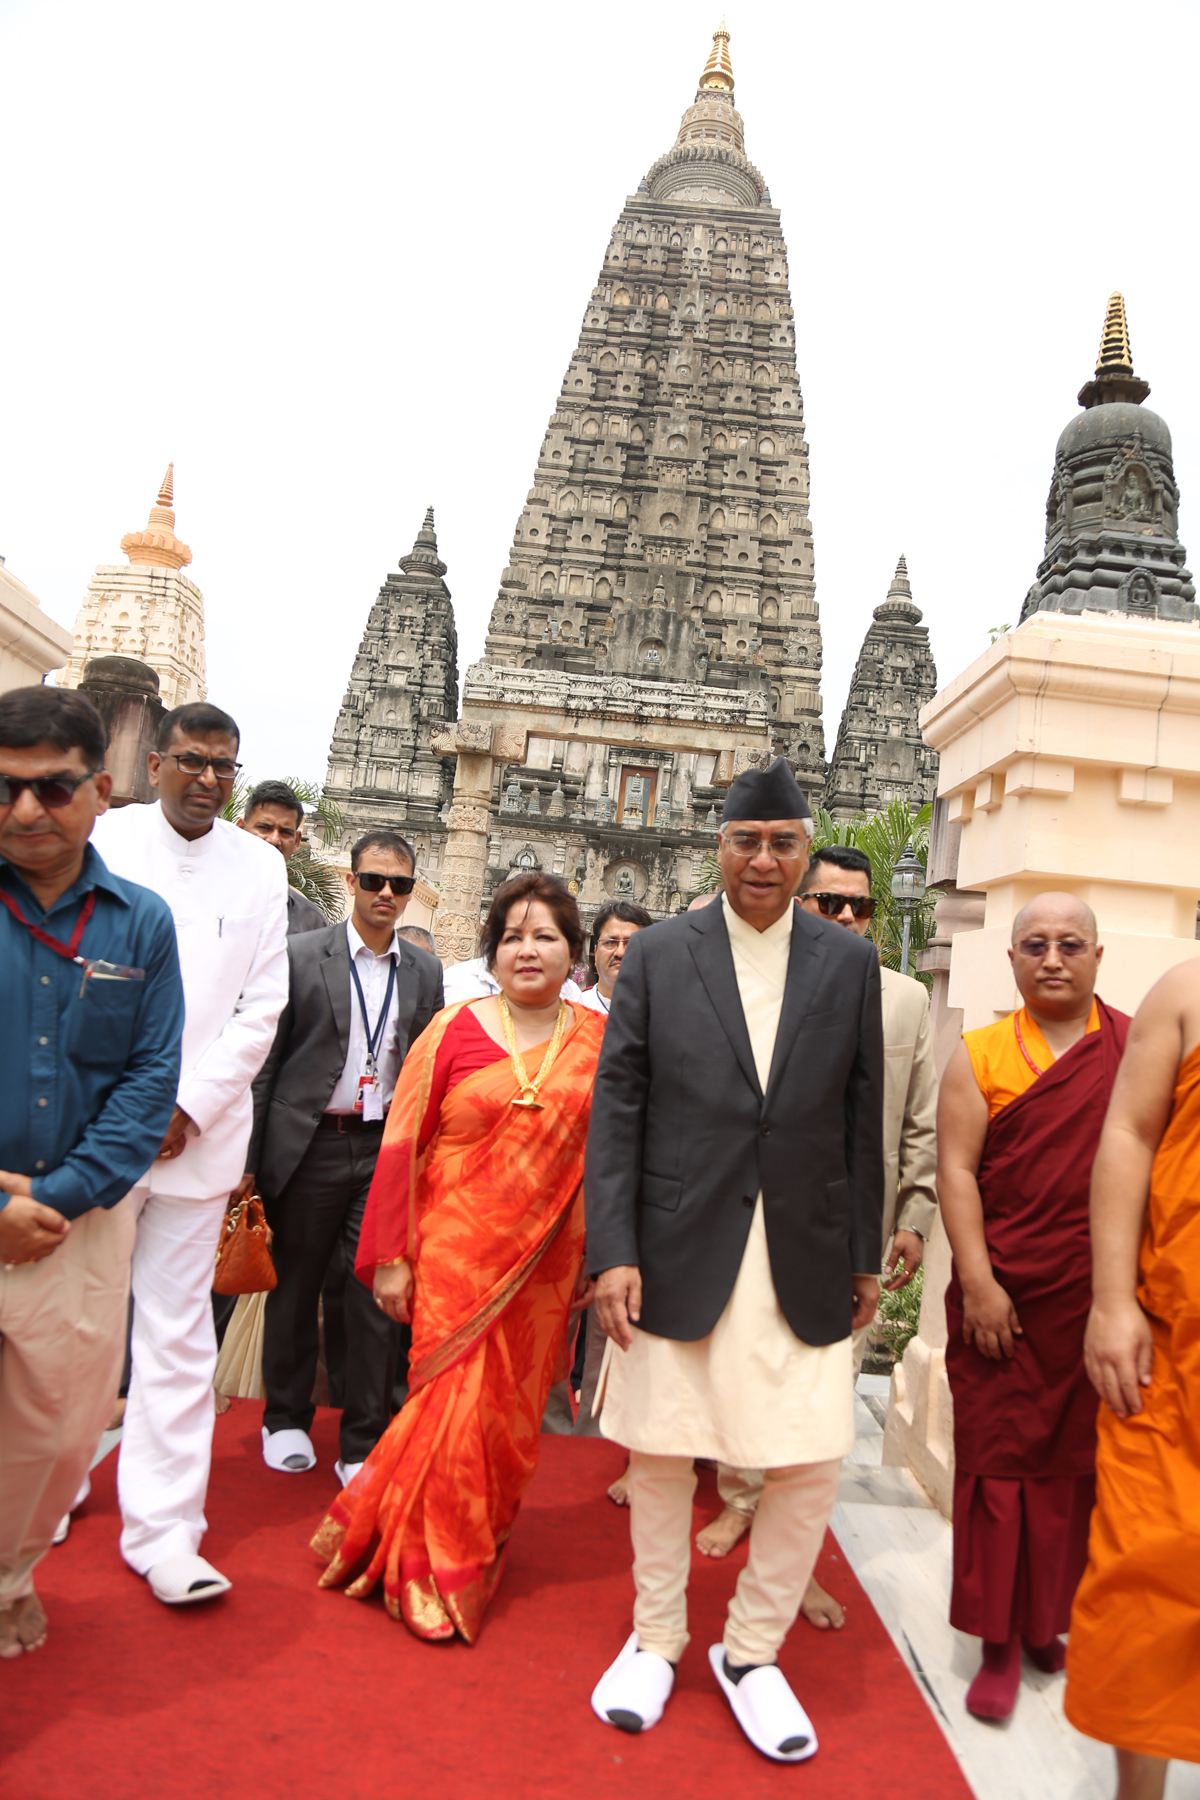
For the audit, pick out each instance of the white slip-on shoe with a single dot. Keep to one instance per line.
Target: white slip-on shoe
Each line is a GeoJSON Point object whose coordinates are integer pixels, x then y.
{"type": "Point", "coordinates": [62, 1530]}
{"type": "Point", "coordinates": [767, 1710]}
{"type": "Point", "coordinates": [345, 1471]}
{"type": "Point", "coordinates": [632, 1692]}
{"type": "Point", "coordinates": [185, 1580]}
{"type": "Point", "coordinates": [290, 1452]}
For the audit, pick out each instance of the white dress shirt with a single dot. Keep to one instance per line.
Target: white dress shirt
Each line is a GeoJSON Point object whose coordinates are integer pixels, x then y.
{"type": "Point", "coordinates": [594, 1000]}
{"type": "Point", "coordinates": [373, 974]}
{"type": "Point", "coordinates": [228, 893]}
{"type": "Point", "coordinates": [474, 981]}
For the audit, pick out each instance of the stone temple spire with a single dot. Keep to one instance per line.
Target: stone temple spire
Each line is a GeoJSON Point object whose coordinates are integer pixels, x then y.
{"type": "Point", "coordinates": [879, 755]}
{"type": "Point", "coordinates": [1112, 516]}
{"type": "Point", "coordinates": [708, 160]}
{"type": "Point", "coordinates": [1114, 378]}
{"type": "Point", "coordinates": [157, 546]}
{"type": "Point", "coordinates": [718, 70]}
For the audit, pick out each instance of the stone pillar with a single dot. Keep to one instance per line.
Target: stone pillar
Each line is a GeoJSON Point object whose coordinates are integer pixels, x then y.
{"type": "Point", "coordinates": [124, 692]}
{"type": "Point", "coordinates": [478, 747]}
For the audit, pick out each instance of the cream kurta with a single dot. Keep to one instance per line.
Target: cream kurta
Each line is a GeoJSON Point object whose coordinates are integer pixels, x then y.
{"type": "Point", "coordinates": [751, 1393]}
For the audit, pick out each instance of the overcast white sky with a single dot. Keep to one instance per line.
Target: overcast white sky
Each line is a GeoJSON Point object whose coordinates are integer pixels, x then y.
{"type": "Point", "coordinates": [332, 260]}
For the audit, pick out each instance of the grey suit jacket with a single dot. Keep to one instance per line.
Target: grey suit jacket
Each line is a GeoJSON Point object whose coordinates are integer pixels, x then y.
{"type": "Point", "coordinates": [682, 1136]}
{"type": "Point", "coordinates": [312, 1041]}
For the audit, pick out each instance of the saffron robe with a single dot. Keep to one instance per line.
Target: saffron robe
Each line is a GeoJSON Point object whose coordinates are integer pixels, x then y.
{"type": "Point", "coordinates": [1133, 1659]}
{"type": "Point", "coordinates": [485, 1200]}
{"type": "Point", "coordinates": [1024, 1427]}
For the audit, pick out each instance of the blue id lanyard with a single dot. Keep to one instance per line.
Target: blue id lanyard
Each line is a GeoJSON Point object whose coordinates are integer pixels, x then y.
{"type": "Point", "coordinates": [375, 1037]}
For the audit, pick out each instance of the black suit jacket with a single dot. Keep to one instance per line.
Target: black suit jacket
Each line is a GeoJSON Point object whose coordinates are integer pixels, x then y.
{"type": "Point", "coordinates": [682, 1136]}
{"type": "Point", "coordinates": [312, 1041]}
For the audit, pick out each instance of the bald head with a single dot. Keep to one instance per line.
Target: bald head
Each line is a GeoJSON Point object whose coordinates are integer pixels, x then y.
{"type": "Point", "coordinates": [1055, 957]}
{"type": "Point", "coordinates": [1054, 914]}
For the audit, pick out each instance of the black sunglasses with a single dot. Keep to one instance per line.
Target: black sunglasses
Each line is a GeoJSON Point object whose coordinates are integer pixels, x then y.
{"type": "Point", "coordinates": [48, 790]}
{"type": "Point", "coordinates": [371, 883]}
{"type": "Point", "coordinates": [861, 905]}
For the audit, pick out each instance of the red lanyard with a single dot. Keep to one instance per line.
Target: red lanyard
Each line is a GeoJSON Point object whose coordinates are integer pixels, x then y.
{"type": "Point", "coordinates": [1021, 1046]}
{"type": "Point", "coordinates": [71, 947]}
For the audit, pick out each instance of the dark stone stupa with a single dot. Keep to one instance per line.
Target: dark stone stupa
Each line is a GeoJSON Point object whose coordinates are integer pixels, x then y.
{"type": "Point", "coordinates": [1112, 518]}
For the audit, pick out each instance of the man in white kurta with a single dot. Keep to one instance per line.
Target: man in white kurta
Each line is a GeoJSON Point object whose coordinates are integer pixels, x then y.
{"type": "Point", "coordinates": [749, 1390]}
{"type": "Point", "coordinates": [228, 894]}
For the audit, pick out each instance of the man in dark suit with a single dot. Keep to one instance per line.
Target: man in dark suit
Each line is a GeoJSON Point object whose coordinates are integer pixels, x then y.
{"type": "Point", "coordinates": [734, 1190]}
{"type": "Point", "coordinates": [273, 812]}
{"type": "Point", "coordinates": [358, 999]}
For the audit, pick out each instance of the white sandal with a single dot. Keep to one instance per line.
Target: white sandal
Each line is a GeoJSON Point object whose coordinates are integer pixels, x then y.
{"type": "Point", "coordinates": [290, 1452]}
{"type": "Point", "coordinates": [767, 1710]}
{"type": "Point", "coordinates": [185, 1580]}
{"type": "Point", "coordinates": [633, 1691]}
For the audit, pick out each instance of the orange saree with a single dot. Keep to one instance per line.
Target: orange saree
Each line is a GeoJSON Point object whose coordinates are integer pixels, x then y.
{"type": "Point", "coordinates": [485, 1200]}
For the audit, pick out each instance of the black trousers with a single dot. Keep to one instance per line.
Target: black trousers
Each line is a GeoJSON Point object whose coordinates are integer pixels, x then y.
{"type": "Point", "coordinates": [322, 1204]}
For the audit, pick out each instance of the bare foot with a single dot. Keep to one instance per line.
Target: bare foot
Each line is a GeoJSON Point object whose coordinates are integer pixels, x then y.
{"type": "Point", "coordinates": [23, 1627]}
{"type": "Point", "coordinates": [221, 1402]}
{"type": "Point", "coordinates": [618, 1493]}
{"type": "Point", "coordinates": [820, 1608]}
{"type": "Point", "coordinates": [1140, 1777]}
{"type": "Point", "coordinates": [118, 1417]}
{"type": "Point", "coordinates": [727, 1529]}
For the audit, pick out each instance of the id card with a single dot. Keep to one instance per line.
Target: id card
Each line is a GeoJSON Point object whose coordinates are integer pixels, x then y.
{"type": "Point", "coordinates": [369, 1100]}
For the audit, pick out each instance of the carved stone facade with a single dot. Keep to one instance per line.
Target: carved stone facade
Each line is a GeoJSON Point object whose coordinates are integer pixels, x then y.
{"type": "Point", "coordinates": [879, 755]}
{"type": "Point", "coordinates": [666, 534]}
{"type": "Point", "coordinates": [403, 687]}
{"type": "Point", "coordinates": [148, 609]}
{"type": "Point", "coordinates": [1112, 518]}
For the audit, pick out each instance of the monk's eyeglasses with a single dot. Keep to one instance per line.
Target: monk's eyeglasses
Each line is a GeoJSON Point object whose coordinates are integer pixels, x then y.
{"type": "Point", "coordinates": [785, 846]}
{"type": "Point", "coordinates": [830, 905]}
{"type": "Point", "coordinates": [1038, 947]}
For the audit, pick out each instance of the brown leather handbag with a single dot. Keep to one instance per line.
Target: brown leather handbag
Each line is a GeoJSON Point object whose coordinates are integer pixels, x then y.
{"type": "Point", "coordinates": [244, 1263]}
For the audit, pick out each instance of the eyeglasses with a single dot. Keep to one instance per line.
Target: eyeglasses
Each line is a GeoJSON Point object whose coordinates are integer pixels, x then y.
{"type": "Point", "coordinates": [830, 905]}
{"type": "Point", "coordinates": [51, 791]}
{"type": "Point", "coordinates": [786, 847]}
{"type": "Point", "coordinates": [190, 763]}
{"type": "Point", "coordinates": [1039, 947]}
{"type": "Point", "coordinates": [613, 943]}
{"type": "Point", "coordinates": [371, 883]}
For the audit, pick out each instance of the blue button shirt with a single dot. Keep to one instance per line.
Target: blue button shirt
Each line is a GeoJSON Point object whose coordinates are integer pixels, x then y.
{"type": "Point", "coordinates": [89, 1070]}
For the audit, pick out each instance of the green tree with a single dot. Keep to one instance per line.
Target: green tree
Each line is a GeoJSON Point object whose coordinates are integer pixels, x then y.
{"type": "Point", "coordinates": [318, 881]}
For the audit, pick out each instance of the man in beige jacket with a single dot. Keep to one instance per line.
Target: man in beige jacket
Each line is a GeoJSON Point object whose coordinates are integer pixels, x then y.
{"type": "Point", "coordinates": [838, 887]}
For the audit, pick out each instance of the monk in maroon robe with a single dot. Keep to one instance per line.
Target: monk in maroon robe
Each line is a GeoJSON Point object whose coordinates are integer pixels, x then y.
{"type": "Point", "coordinates": [1019, 1119]}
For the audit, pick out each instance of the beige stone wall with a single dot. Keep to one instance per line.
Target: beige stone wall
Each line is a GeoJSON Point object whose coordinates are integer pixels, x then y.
{"type": "Point", "coordinates": [154, 614]}
{"type": "Point", "coordinates": [31, 644]}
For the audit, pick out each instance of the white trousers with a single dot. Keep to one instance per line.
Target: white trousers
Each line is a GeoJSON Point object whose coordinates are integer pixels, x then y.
{"type": "Point", "coordinates": [785, 1539]}
{"type": "Point", "coordinates": [62, 1344]}
{"type": "Point", "coordinates": [166, 1444]}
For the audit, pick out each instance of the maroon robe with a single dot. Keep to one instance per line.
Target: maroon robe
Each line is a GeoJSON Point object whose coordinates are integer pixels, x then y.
{"type": "Point", "coordinates": [1025, 1426]}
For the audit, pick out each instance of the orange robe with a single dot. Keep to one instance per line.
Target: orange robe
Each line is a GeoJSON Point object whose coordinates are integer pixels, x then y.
{"type": "Point", "coordinates": [1133, 1658]}
{"type": "Point", "coordinates": [485, 1199]}
{"type": "Point", "coordinates": [1024, 1428]}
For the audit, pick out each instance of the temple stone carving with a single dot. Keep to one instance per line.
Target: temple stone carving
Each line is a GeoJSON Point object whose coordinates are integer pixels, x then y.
{"type": "Point", "coordinates": [403, 688]}
{"type": "Point", "coordinates": [1112, 517]}
{"type": "Point", "coordinates": [147, 609]}
{"type": "Point", "coordinates": [880, 755]}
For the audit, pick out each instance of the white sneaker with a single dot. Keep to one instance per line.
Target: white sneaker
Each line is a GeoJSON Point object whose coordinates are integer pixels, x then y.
{"type": "Point", "coordinates": [346, 1472]}
{"type": "Point", "coordinates": [633, 1691]}
{"type": "Point", "coordinates": [290, 1452]}
{"type": "Point", "coordinates": [767, 1710]}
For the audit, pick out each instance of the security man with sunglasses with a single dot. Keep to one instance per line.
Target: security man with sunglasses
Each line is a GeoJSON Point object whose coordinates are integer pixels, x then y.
{"type": "Point", "coordinates": [359, 997]}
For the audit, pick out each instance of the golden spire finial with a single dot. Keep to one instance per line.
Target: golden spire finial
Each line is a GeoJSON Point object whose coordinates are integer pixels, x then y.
{"type": "Point", "coordinates": [157, 545]}
{"type": "Point", "coordinates": [718, 70]}
{"type": "Point", "coordinates": [1114, 379]}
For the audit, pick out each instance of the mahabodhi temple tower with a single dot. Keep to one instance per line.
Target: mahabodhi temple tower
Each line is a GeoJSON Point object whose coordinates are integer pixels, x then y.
{"type": "Point", "coordinates": [665, 540]}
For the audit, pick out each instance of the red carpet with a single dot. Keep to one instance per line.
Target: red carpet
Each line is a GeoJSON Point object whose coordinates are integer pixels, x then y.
{"type": "Point", "coordinates": [283, 1691]}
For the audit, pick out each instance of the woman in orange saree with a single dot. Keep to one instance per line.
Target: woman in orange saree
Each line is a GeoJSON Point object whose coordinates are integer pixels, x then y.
{"type": "Point", "coordinates": [474, 1228]}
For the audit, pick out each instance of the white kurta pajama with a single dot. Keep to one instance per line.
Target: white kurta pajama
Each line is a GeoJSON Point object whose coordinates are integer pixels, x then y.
{"type": "Point", "coordinates": [227, 892]}
{"type": "Point", "coordinates": [750, 1393]}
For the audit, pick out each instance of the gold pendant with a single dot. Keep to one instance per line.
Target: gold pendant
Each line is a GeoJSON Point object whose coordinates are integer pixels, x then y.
{"type": "Point", "coordinates": [529, 1100]}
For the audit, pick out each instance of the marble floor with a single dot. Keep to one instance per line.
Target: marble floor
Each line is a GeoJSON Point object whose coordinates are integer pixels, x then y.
{"type": "Point", "coordinates": [898, 1545]}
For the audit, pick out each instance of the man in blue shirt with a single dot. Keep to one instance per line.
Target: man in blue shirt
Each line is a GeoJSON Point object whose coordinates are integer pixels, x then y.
{"type": "Point", "coordinates": [92, 1003]}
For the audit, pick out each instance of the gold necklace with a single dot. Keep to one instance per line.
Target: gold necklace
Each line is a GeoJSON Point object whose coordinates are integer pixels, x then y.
{"type": "Point", "coordinates": [529, 1089]}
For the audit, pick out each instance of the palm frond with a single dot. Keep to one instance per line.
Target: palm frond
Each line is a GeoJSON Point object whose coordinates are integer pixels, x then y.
{"type": "Point", "coordinates": [881, 837]}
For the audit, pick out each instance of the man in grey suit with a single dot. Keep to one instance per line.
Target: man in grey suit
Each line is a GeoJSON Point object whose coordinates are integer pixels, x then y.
{"type": "Point", "coordinates": [734, 1191]}
{"type": "Point", "coordinates": [358, 999]}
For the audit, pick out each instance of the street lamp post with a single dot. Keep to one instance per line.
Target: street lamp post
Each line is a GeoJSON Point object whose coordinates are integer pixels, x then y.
{"type": "Point", "coordinates": [908, 890]}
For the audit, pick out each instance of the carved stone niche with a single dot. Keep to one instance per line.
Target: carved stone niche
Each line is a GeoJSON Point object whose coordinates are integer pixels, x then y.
{"type": "Point", "coordinates": [626, 880]}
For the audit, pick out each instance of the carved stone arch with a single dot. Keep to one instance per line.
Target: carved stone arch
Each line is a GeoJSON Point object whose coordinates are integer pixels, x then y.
{"type": "Point", "coordinates": [762, 310]}
{"type": "Point", "coordinates": [716, 601]}
{"type": "Point", "coordinates": [620, 509]}
{"type": "Point", "coordinates": [608, 360]}
{"type": "Point", "coordinates": [591, 428]}
{"type": "Point", "coordinates": [621, 297]}
{"type": "Point", "coordinates": [717, 521]}
{"type": "Point", "coordinates": [566, 502]}
{"type": "Point", "coordinates": [767, 525]}
{"type": "Point", "coordinates": [662, 304]}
